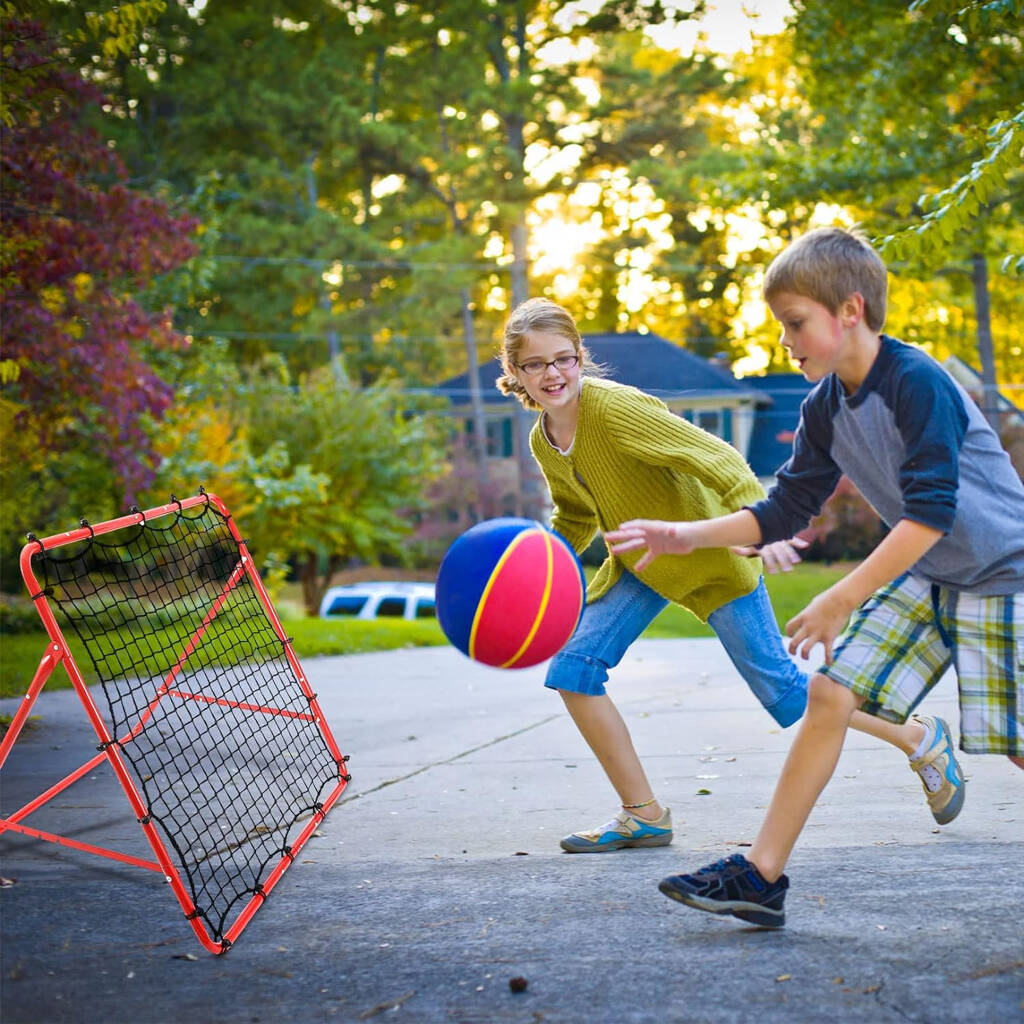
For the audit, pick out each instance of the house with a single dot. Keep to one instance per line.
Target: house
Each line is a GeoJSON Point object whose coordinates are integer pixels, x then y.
{"type": "Point", "coordinates": [703, 391]}
{"type": "Point", "coordinates": [778, 413]}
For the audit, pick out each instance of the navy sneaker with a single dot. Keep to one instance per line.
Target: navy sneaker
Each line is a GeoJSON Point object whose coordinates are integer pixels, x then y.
{"type": "Point", "coordinates": [732, 886]}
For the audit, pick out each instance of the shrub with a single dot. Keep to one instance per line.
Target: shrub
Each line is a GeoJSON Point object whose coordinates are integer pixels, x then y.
{"type": "Point", "coordinates": [18, 615]}
{"type": "Point", "coordinates": [848, 527]}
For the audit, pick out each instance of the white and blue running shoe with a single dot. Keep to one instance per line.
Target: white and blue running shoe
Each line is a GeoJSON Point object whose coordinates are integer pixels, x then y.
{"type": "Point", "coordinates": [623, 830]}
{"type": "Point", "coordinates": [940, 772]}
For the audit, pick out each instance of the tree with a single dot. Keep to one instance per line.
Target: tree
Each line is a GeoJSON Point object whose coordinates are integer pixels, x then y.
{"type": "Point", "coordinates": [318, 473]}
{"type": "Point", "coordinates": [866, 135]}
{"type": "Point", "coordinates": [80, 250]}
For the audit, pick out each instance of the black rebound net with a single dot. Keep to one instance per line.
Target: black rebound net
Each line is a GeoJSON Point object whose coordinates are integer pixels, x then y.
{"type": "Point", "coordinates": [207, 717]}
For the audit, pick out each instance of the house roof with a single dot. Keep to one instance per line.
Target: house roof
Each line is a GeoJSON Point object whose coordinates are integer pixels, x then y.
{"type": "Point", "coordinates": [775, 421]}
{"type": "Point", "coordinates": [971, 381]}
{"type": "Point", "coordinates": [645, 361]}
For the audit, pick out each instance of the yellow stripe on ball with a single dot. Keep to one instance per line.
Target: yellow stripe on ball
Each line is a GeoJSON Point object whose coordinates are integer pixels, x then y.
{"type": "Point", "coordinates": [542, 606]}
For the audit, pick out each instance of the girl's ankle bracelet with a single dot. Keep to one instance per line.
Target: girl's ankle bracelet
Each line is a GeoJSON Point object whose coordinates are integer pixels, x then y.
{"type": "Point", "coordinates": [634, 807]}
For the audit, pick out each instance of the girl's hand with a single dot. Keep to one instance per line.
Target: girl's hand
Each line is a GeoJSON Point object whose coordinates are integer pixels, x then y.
{"type": "Point", "coordinates": [780, 556]}
{"type": "Point", "coordinates": [652, 536]}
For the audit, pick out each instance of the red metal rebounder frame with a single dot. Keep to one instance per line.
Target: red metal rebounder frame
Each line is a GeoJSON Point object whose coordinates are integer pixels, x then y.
{"type": "Point", "coordinates": [58, 653]}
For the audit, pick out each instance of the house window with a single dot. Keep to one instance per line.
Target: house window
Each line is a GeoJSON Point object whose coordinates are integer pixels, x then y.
{"type": "Point", "coordinates": [710, 420]}
{"type": "Point", "coordinates": [499, 438]}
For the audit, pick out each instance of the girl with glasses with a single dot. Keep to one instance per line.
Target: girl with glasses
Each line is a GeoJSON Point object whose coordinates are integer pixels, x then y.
{"type": "Point", "coordinates": [611, 453]}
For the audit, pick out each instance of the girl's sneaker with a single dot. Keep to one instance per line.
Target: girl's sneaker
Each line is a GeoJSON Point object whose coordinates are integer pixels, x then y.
{"type": "Point", "coordinates": [939, 771]}
{"type": "Point", "coordinates": [623, 830]}
{"type": "Point", "coordinates": [732, 886]}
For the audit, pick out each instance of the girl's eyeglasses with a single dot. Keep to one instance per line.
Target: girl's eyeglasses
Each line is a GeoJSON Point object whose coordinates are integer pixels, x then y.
{"type": "Point", "coordinates": [535, 367]}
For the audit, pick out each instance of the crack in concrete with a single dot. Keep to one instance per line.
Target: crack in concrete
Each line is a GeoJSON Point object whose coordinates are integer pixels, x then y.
{"type": "Point", "coordinates": [448, 760]}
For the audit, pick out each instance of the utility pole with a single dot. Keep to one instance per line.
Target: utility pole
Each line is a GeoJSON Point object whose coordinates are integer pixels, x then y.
{"type": "Point", "coordinates": [529, 498]}
{"type": "Point", "coordinates": [477, 403]}
{"type": "Point", "coordinates": [986, 351]}
{"type": "Point", "coordinates": [333, 346]}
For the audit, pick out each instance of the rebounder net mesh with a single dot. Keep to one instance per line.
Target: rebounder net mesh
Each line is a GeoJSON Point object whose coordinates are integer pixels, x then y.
{"type": "Point", "coordinates": [204, 703]}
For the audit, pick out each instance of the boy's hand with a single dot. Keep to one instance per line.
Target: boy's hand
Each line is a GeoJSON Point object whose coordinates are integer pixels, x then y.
{"type": "Point", "coordinates": [778, 557]}
{"type": "Point", "coordinates": [654, 535]}
{"type": "Point", "coordinates": [819, 623]}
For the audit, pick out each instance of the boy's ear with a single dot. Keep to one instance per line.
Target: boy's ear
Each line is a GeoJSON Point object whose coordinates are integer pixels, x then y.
{"type": "Point", "coordinates": [851, 312]}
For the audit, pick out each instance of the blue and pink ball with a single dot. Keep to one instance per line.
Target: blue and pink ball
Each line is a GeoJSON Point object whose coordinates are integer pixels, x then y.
{"type": "Point", "coordinates": [510, 593]}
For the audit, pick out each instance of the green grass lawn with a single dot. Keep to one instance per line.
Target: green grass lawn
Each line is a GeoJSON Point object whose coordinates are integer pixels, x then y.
{"type": "Point", "coordinates": [20, 652]}
{"type": "Point", "coordinates": [790, 592]}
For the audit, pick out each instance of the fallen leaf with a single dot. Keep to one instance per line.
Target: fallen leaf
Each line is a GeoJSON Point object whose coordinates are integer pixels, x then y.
{"type": "Point", "coordinates": [391, 1004]}
{"type": "Point", "coordinates": [784, 977]}
{"type": "Point", "coordinates": [703, 792]}
{"type": "Point", "coordinates": [6, 883]}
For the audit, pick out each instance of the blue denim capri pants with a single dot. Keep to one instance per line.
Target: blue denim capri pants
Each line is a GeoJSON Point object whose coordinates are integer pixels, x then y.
{"type": "Point", "coordinates": [745, 626]}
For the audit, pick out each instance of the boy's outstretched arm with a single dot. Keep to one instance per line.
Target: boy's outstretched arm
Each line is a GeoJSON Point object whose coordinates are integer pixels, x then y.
{"type": "Point", "coordinates": [739, 529]}
{"type": "Point", "coordinates": [826, 616]}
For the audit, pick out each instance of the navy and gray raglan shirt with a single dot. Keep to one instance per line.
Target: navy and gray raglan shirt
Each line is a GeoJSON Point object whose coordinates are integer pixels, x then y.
{"type": "Point", "coordinates": [917, 447]}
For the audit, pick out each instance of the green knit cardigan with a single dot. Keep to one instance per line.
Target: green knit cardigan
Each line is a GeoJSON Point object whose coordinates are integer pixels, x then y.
{"type": "Point", "coordinates": [634, 459]}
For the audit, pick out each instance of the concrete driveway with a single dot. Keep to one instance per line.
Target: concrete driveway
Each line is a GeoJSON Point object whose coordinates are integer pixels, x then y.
{"type": "Point", "coordinates": [438, 877]}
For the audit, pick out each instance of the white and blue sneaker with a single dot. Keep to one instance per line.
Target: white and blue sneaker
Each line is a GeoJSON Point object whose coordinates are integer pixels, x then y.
{"type": "Point", "coordinates": [939, 771]}
{"type": "Point", "coordinates": [623, 830]}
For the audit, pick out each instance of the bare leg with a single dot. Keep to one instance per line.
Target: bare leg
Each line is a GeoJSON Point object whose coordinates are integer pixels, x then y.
{"type": "Point", "coordinates": [601, 725]}
{"type": "Point", "coordinates": [906, 736]}
{"type": "Point", "coordinates": [809, 766]}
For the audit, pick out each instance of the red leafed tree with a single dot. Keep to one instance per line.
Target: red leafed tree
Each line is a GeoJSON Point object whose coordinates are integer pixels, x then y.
{"type": "Point", "coordinates": [78, 250]}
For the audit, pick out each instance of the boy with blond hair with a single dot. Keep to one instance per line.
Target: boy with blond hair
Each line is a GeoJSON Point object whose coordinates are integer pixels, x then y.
{"type": "Point", "coordinates": [944, 587]}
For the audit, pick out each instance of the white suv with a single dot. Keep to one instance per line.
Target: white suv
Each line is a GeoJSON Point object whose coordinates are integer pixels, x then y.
{"type": "Point", "coordinates": [379, 600]}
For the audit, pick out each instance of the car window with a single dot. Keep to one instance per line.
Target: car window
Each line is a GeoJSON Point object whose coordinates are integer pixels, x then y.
{"type": "Point", "coordinates": [426, 608]}
{"type": "Point", "coordinates": [391, 606]}
{"type": "Point", "coordinates": [346, 604]}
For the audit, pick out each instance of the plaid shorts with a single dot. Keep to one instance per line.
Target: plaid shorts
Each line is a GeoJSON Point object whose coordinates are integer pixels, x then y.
{"type": "Point", "coordinates": [901, 641]}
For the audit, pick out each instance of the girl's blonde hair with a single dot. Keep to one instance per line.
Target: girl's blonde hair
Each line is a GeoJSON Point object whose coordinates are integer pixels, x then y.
{"type": "Point", "coordinates": [550, 318]}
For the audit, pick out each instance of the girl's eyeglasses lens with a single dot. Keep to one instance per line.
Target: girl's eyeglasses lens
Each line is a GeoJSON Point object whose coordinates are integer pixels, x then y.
{"type": "Point", "coordinates": [532, 367]}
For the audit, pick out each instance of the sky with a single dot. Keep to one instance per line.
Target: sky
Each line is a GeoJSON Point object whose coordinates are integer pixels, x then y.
{"type": "Point", "coordinates": [727, 26]}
